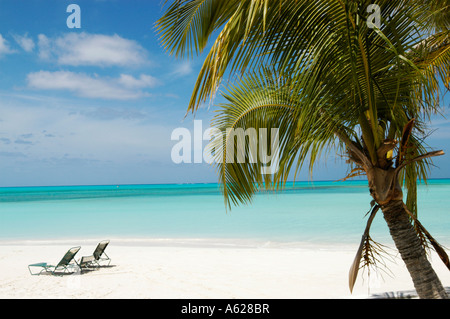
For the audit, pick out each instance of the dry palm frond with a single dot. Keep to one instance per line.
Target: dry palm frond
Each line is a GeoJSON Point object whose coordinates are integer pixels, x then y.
{"type": "Point", "coordinates": [404, 141]}
{"type": "Point", "coordinates": [423, 233]}
{"type": "Point", "coordinates": [370, 254]}
{"type": "Point", "coordinates": [362, 250]}
{"type": "Point", "coordinates": [355, 172]}
{"type": "Point", "coordinates": [374, 257]}
{"type": "Point", "coordinates": [329, 76]}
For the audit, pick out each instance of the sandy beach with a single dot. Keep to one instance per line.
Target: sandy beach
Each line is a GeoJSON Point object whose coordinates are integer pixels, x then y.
{"type": "Point", "coordinates": [167, 269]}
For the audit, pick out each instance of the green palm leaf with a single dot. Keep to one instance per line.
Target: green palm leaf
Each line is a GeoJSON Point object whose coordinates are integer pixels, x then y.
{"type": "Point", "coordinates": [325, 79]}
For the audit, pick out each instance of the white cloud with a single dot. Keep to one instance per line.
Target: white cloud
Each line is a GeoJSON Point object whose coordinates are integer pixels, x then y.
{"type": "Point", "coordinates": [4, 46]}
{"type": "Point", "coordinates": [83, 49]}
{"type": "Point", "coordinates": [24, 42]}
{"type": "Point", "coordinates": [144, 81]}
{"type": "Point", "coordinates": [44, 47]}
{"type": "Point", "coordinates": [125, 87]}
{"type": "Point", "coordinates": [183, 69]}
{"type": "Point", "coordinates": [42, 132]}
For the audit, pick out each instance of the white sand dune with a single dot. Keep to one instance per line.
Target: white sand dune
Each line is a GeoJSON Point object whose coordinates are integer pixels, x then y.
{"type": "Point", "coordinates": [160, 269]}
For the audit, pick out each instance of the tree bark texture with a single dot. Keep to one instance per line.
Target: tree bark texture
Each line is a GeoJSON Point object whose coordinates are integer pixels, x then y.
{"type": "Point", "coordinates": [426, 282]}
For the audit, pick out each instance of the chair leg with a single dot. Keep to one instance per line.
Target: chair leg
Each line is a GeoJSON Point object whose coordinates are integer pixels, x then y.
{"type": "Point", "coordinates": [44, 269]}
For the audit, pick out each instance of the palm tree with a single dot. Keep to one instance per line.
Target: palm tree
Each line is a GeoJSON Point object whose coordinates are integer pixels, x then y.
{"type": "Point", "coordinates": [330, 78]}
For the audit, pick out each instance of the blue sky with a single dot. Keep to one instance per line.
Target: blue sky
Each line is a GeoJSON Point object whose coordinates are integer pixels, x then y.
{"type": "Point", "coordinates": [98, 104]}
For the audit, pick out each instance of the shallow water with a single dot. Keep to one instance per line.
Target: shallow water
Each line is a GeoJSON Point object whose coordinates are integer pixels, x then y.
{"type": "Point", "coordinates": [319, 212]}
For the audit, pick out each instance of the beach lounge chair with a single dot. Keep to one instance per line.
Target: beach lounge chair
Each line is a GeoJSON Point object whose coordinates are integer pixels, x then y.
{"type": "Point", "coordinates": [63, 266]}
{"type": "Point", "coordinates": [97, 257]}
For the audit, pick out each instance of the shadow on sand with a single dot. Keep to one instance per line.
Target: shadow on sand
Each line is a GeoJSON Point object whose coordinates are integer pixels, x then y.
{"type": "Point", "coordinates": [77, 272]}
{"type": "Point", "coordinates": [408, 294]}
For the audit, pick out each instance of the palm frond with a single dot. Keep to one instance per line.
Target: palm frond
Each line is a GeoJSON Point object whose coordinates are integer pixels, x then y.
{"type": "Point", "coordinates": [186, 25]}
{"type": "Point", "coordinates": [426, 235]}
{"type": "Point", "coordinates": [370, 254]}
{"type": "Point", "coordinates": [340, 77]}
{"type": "Point", "coordinates": [261, 103]}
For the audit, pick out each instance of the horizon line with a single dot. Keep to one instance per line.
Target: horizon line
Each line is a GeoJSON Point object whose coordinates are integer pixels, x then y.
{"type": "Point", "coordinates": [196, 183]}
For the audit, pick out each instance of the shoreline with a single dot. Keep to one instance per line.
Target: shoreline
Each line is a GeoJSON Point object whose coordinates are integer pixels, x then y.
{"type": "Point", "coordinates": [174, 269]}
{"type": "Point", "coordinates": [212, 242]}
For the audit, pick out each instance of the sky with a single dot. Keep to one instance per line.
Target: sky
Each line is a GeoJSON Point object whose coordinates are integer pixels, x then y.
{"type": "Point", "coordinates": [97, 105]}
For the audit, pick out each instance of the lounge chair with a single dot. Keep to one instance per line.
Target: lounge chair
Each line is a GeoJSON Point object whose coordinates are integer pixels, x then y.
{"type": "Point", "coordinates": [97, 257]}
{"type": "Point", "coordinates": [63, 266]}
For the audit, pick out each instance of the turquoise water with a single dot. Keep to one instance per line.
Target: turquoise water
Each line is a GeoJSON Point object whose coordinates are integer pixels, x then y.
{"type": "Point", "coordinates": [319, 212]}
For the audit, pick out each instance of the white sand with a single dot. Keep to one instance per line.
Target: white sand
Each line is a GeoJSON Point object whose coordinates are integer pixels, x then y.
{"type": "Point", "coordinates": [160, 269]}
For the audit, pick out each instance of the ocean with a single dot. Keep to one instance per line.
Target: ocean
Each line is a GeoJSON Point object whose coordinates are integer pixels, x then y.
{"type": "Point", "coordinates": [322, 212]}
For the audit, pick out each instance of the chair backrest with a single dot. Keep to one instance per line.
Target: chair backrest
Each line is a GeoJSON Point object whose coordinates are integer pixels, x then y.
{"type": "Point", "coordinates": [100, 249]}
{"type": "Point", "coordinates": [69, 256]}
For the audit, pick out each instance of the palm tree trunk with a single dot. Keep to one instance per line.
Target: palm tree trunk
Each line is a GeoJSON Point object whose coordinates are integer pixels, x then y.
{"type": "Point", "coordinates": [425, 280]}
